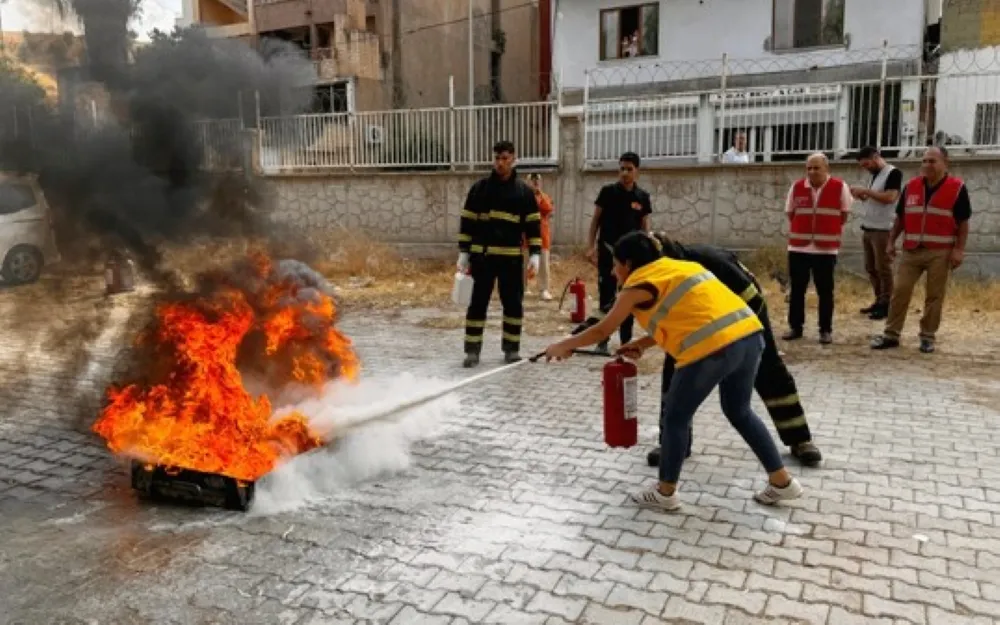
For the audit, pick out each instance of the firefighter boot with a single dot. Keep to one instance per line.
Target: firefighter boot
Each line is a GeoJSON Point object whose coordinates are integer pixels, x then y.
{"type": "Point", "coordinates": [471, 360]}
{"type": "Point", "coordinates": [653, 457]}
{"type": "Point", "coordinates": [807, 453]}
{"type": "Point", "coordinates": [511, 357]}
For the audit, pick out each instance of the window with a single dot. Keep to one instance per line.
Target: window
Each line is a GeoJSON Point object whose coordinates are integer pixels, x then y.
{"type": "Point", "coordinates": [986, 130]}
{"type": "Point", "coordinates": [630, 31]}
{"type": "Point", "coordinates": [15, 197]}
{"type": "Point", "coordinates": [802, 24]}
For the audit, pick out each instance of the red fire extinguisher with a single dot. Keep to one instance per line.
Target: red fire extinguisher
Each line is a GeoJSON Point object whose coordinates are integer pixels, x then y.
{"type": "Point", "coordinates": [578, 302]}
{"type": "Point", "coordinates": [621, 403]}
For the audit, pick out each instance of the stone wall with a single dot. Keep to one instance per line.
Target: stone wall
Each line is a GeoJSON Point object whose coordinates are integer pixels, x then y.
{"type": "Point", "coordinates": [735, 206]}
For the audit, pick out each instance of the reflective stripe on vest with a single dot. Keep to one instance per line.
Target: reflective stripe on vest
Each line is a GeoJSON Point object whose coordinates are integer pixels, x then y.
{"type": "Point", "coordinates": [675, 296]}
{"type": "Point", "coordinates": [930, 221]}
{"type": "Point", "coordinates": [817, 217]}
{"type": "Point", "coordinates": [706, 330]}
{"type": "Point", "coordinates": [709, 329]}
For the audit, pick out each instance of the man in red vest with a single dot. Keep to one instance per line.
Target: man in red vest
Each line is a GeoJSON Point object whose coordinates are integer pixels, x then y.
{"type": "Point", "coordinates": [817, 207]}
{"type": "Point", "coordinates": [933, 217]}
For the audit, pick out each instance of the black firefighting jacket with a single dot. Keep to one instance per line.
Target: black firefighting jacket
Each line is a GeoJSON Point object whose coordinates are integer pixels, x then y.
{"type": "Point", "coordinates": [724, 264]}
{"type": "Point", "coordinates": [498, 215]}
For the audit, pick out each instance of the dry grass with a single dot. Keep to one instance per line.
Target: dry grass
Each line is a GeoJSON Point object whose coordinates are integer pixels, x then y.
{"type": "Point", "coordinates": [374, 276]}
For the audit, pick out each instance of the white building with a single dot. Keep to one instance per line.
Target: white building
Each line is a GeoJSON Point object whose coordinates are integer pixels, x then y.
{"type": "Point", "coordinates": [800, 75]}
{"type": "Point", "coordinates": [967, 93]}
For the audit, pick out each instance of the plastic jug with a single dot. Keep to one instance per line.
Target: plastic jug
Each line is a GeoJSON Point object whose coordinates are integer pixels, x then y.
{"type": "Point", "coordinates": [461, 292]}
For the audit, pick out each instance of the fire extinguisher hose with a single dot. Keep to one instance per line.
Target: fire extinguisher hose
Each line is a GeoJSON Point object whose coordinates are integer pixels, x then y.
{"type": "Point", "coordinates": [565, 290]}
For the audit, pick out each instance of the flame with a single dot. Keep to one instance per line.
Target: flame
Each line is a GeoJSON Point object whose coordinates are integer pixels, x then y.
{"type": "Point", "coordinates": [192, 410]}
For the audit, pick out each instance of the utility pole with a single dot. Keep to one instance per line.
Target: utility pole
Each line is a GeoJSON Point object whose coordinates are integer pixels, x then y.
{"type": "Point", "coordinates": [472, 69]}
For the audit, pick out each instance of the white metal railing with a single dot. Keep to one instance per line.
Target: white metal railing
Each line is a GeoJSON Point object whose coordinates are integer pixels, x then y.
{"type": "Point", "coordinates": [221, 142]}
{"type": "Point", "coordinates": [442, 138]}
{"type": "Point", "coordinates": [958, 105]}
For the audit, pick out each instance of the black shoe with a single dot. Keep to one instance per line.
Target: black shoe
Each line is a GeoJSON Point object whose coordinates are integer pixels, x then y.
{"type": "Point", "coordinates": [884, 342]}
{"type": "Point", "coordinates": [808, 454]}
{"type": "Point", "coordinates": [602, 348]}
{"type": "Point", "coordinates": [926, 346]}
{"type": "Point", "coordinates": [878, 313]}
{"type": "Point", "coordinates": [653, 457]}
{"type": "Point", "coordinates": [825, 338]}
{"type": "Point", "coordinates": [867, 310]}
{"type": "Point", "coordinates": [791, 335]}
{"type": "Point", "coordinates": [511, 357]}
{"type": "Point", "coordinates": [471, 360]}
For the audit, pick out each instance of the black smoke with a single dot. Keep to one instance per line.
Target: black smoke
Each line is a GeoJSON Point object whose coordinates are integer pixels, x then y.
{"type": "Point", "coordinates": [133, 175]}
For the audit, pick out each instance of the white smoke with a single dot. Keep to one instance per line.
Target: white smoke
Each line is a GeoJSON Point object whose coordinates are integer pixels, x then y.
{"type": "Point", "coordinates": [363, 452]}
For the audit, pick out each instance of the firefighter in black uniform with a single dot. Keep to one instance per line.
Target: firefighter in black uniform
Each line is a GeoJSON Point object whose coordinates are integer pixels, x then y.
{"type": "Point", "coordinates": [500, 212]}
{"type": "Point", "coordinates": [774, 383]}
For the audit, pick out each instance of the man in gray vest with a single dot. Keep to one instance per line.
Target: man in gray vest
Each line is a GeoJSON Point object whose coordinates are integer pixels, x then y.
{"type": "Point", "coordinates": [877, 214]}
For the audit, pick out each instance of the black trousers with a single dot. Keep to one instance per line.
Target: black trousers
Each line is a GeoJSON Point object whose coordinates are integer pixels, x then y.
{"type": "Point", "coordinates": [507, 273]}
{"type": "Point", "coordinates": [607, 290]}
{"type": "Point", "coordinates": [774, 384]}
{"type": "Point", "coordinates": [819, 267]}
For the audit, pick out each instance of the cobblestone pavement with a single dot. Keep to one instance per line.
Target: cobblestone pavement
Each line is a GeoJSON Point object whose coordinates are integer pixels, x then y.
{"type": "Point", "coordinates": [518, 514]}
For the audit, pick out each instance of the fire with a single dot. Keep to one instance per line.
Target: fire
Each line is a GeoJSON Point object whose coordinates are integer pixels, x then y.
{"type": "Point", "coordinates": [191, 409]}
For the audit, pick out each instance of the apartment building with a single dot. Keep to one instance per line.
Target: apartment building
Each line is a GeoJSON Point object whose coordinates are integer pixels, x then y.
{"type": "Point", "coordinates": [383, 54]}
{"type": "Point", "coordinates": [967, 95]}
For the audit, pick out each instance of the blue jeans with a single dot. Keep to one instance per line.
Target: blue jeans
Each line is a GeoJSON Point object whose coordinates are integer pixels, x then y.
{"type": "Point", "coordinates": [733, 369]}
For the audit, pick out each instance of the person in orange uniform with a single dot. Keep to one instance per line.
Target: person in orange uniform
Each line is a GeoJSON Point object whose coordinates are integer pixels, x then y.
{"type": "Point", "coordinates": [933, 216]}
{"type": "Point", "coordinates": [715, 340]}
{"type": "Point", "coordinates": [545, 209]}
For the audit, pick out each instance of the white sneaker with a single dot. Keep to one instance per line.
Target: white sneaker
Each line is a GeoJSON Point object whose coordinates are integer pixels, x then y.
{"type": "Point", "coordinates": [653, 499]}
{"type": "Point", "coordinates": [546, 296]}
{"type": "Point", "coordinates": [772, 494]}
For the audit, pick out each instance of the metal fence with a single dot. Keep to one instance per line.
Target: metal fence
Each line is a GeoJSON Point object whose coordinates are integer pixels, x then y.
{"type": "Point", "coordinates": [431, 138]}
{"type": "Point", "coordinates": [897, 105]}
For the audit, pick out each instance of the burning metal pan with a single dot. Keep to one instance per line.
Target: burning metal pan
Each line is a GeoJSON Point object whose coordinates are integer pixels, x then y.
{"type": "Point", "coordinates": [158, 483]}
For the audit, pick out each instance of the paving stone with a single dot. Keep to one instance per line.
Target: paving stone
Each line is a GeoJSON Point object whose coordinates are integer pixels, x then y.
{"type": "Point", "coordinates": [518, 513]}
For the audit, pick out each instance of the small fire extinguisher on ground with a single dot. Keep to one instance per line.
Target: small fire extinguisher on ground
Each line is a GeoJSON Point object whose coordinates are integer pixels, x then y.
{"type": "Point", "coordinates": [621, 403]}
{"type": "Point", "coordinates": [578, 300]}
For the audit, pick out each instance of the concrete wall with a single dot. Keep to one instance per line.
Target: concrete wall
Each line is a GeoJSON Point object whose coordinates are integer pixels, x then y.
{"type": "Point", "coordinates": [682, 37]}
{"type": "Point", "coordinates": [736, 206]}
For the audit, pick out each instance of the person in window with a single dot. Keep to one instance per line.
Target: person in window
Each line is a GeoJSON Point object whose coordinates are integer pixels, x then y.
{"type": "Point", "coordinates": [737, 155]}
{"type": "Point", "coordinates": [715, 341]}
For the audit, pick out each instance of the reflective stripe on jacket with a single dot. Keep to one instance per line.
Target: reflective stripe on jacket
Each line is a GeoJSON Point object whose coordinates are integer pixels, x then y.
{"type": "Point", "coordinates": [820, 223]}
{"type": "Point", "coordinates": [694, 315]}
{"type": "Point", "coordinates": [930, 223]}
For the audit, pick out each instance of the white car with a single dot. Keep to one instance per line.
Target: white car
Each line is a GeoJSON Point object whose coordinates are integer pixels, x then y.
{"type": "Point", "coordinates": [27, 240]}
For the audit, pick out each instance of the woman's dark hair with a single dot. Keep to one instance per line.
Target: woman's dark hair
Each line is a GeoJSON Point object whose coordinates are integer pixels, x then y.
{"type": "Point", "coordinates": [637, 249]}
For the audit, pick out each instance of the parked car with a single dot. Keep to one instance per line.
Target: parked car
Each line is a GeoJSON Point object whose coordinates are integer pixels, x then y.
{"type": "Point", "coordinates": [27, 238]}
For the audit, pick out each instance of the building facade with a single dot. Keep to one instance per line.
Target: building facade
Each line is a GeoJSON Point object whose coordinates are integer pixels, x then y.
{"type": "Point", "coordinates": [967, 97]}
{"type": "Point", "coordinates": [683, 78]}
{"type": "Point", "coordinates": [388, 54]}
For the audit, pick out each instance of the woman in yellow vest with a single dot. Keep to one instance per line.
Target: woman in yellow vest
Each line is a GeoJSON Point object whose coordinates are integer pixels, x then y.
{"type": "Point", "coordinates": [715, 340]}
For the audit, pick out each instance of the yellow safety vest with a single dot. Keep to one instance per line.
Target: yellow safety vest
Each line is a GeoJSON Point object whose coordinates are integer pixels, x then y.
{"type": "Point", "coordinates": [694, 314]}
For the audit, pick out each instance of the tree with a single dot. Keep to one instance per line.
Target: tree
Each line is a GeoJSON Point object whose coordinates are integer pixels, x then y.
{"type": "Point", "coordinates": [105, 33]}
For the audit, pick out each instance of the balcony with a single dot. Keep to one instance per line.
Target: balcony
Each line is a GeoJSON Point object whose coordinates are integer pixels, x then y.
{"type": "Point", "coordinates": [356, 55]}
{"type": "Point", "coordinates": [281, 14]}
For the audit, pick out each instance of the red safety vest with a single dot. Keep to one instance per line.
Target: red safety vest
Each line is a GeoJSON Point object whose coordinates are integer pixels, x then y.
{"type": "Point", "coordinates": [930, 223]}
{"type": "Point", "coordinates": [822, 223]}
